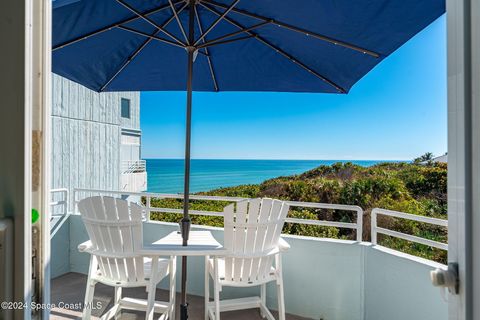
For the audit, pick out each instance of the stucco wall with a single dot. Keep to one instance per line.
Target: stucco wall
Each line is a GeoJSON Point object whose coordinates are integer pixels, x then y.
{"type": "Point", "coordinates": [398, 287]}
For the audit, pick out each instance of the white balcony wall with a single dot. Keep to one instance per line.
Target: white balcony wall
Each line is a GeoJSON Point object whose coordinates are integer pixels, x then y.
{"type": "Point", "coordinates": [324, 279]}
{"type": "Point", "coordinates": [400, 282]}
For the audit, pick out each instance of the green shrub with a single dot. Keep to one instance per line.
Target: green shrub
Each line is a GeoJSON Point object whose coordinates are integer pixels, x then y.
{"type": "Point", "coordinates": [308, 230]}
{"type": "Point", "coordinates": [412, 188]}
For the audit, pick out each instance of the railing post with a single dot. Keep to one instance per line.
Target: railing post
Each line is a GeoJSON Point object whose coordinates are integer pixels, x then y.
{"type": "Point", "coordinates": [373, 218]}
{"type": "Point", "coordinates": [359, 224]}
{"type": "Point", "coordinates": [148, 207]}
{"type": "Point", "coordinates": [74, 209]}
{"type": "Point", "coordinates": [67, 201]}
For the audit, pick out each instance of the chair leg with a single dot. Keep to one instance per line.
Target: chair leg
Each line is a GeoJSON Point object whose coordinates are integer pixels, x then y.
{"type": "Point", "coordinates": [281, 300]}
{"type": "Point", "coordinates": [263, 298]}
{"type": "Point", "coordinates": [118, 297]}
{"type": "Point", "coordinates": [87, 307]}
{"type": "Point", "coordinates": [173, 283]}
{"type": "Point", "coordinates": [216, 298]}
{"type": "Point", "coordinates": [90, 289]}
{"type": "Point", "coordinates": [150, 302]}
{"type": "Point", "coordinates": [207, 288]}
{"type": "Point", "coordinates": [118, 294]}
{"type": "Point", "coordinates": [280, 296]}
{"type": "Point", "coordinates": [152, 290]}
{"type": "Point", "coordinates": [216, 289]}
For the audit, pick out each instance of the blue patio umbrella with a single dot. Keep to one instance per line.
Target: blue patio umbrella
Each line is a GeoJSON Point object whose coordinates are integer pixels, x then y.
{"type": "Point", "coordinates": [229, 45]}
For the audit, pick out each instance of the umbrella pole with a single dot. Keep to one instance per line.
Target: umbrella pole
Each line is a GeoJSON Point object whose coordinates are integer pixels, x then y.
{"type": "Point", "coordinates": [185, 223]}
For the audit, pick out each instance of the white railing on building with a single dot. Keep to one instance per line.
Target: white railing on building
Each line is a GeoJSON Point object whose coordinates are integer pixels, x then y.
{"type": "Point", "coordinates": [59, 201]}
{"type": "Point", "coordinates": [412, 217]}
{"type": "Point", "coordinates": [63, 202]}
{"type": "Point", "coordinates": [133, 166]}
{"type": "Point", "coordinates": [358, 225]}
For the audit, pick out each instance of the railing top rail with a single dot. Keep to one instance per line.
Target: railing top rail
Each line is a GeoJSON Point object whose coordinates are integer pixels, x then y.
{"type": "Point", "coordinates": [357, 225]}
{"type": "Point", "coordinates": [162, 195]}
{"type": "Point", "coordinates": [133, 166]}
{"type": "Point", "coordinates": [226, 198]}
{"type": "Point", "coordinates": [408, 216]}
{"type": "Point", "coordinates": [321, 205]}
{"type": "Point", "coordinates": [142, 162]}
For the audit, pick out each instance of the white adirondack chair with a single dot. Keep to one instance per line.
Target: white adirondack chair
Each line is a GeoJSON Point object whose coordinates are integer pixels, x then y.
{"type": "Point", "coordinates": [252, 238]}
{"type": "Point", "coordinates": [116, 240]}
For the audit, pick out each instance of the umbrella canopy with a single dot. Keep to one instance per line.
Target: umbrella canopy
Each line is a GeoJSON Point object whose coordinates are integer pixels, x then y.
{"type": "Point", "coordinates": [229, 45]}
{"type": "Point", "coordinates": [288, 46]}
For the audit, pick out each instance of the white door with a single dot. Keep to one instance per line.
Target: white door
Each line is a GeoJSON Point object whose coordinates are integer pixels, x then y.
{"type": "Point", "coordinates": [130, 147]}
{"type": "Point", "coordinates": [463, 23]}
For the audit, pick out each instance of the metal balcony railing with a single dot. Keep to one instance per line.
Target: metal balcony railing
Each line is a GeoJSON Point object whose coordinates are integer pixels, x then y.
{"type": "Point", "coordinates": [402, 215]}
{"type": "Point", "coordinates": [133, 166]}
{"type": "Point", "coordinates": [358, 225]}
{"type": "Point", "coordinates": [58, 208]}
{"type": "Point", "coordinates": [79, 194]}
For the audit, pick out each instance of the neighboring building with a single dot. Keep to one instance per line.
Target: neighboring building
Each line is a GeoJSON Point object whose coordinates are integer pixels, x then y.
{"type": "Point", "coordinates": [439, 159]}
{"type": "Point", "coordinates": [96, 139]}
{"type": "Point", "coordinates": [442, 159]}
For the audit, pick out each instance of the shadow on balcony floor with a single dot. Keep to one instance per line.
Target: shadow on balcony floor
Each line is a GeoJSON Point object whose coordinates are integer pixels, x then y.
{"type": "Point", "coordinates": [69, 290]}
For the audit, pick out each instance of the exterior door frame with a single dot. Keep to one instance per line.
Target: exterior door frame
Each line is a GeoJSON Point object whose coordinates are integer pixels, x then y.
{"type": "Point", "coordinates": [463, 38]}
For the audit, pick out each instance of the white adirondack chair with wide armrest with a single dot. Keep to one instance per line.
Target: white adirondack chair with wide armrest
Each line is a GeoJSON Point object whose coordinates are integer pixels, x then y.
{"type": "Point", "coordinates": [118, 259]}
{"type": "Point", "coordinates": [252, 239]}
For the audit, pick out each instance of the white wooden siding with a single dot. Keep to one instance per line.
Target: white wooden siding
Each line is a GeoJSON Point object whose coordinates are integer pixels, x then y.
{"type": "Point", "coordinates": [134, 121]}
{"type": "Point", "coordinates": [71, 100]}
{"type": "Point", "coordinates": [86, 135]}
{"type": "Point", "coordinates": [131, 140]}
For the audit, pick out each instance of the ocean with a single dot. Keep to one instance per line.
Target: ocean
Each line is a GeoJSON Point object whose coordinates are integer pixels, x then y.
{"type": "Point", "coordinates": [166, 175]}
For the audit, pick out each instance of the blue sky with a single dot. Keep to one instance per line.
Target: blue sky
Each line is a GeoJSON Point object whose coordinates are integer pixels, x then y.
{"type": "Point", "coordinates": [396, 112]}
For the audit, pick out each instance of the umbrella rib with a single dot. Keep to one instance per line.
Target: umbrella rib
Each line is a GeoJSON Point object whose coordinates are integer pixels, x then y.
{"type": "Point", "coordinates": [296, 29]}
{"type": "Point", "coordinates": [214, 41]}
{"type": "Point", "coordinates": [210, 64]}
{"type": "Point", "coordinates": [111, 26]}
{"type": "Point", "coordinates": [178, 20]}
{"type": "Point", "coordinates": [150, 21]}
{"type": "Point", "coordinates": [220, 17]}
{"type": "Point", "coordinates": [278, 50]}
{"type": "Point", "coordinates": [153, 37]}
{"type": "Point", "coordinates": [137, 52]}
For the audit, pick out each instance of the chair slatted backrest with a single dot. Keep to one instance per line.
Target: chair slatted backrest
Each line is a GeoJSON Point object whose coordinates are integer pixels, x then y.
{"type": "Point", "coordinates": [251, 231]}
{"type": "Point", "coordinates": [115, 230]}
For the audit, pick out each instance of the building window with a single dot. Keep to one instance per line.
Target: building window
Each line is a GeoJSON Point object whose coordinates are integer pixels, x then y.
{"type": "Point", "coordinates": [125, 104]}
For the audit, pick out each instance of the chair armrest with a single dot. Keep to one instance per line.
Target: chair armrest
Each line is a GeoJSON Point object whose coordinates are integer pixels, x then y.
{"type": "Point", "coordinates": [283, 245]}
{"type": "Point", "coordinates": [85, 247]}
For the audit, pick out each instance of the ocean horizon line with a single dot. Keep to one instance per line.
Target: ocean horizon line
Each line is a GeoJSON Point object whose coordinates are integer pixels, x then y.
{"type": "Point", "coordinates": [166, 174]}
{"type": "Point", "coordinates": [260, 159]}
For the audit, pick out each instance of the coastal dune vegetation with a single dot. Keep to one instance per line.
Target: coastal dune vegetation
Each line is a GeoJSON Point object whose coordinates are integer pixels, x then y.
{"type": "Point", "coordinates": [417, 188]}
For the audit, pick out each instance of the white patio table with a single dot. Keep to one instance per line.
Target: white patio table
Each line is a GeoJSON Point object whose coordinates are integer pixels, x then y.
{"type": "Point", "coordinates": [200, 243]}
